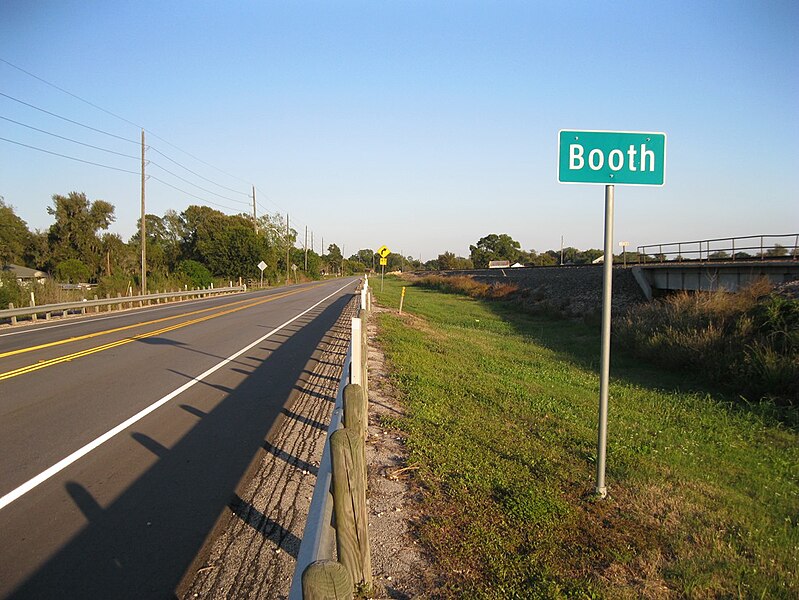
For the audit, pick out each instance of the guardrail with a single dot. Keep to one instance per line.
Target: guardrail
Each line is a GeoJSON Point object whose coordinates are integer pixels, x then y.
{"type": "Point", "coordinates": [751, 247]}
{"type": "Point", "coordinates": [65, 307]}
{"type": "Point", "coordinates": [340, 487]}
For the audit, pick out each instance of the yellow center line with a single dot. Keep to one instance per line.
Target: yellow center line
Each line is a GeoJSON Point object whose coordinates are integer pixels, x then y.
{"type": "Point", "coordinates": [68, 357]}
{"type": "Point", "coordinates": [89, 336]}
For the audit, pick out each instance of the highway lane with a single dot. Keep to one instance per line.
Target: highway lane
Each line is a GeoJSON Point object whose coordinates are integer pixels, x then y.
{"type": "Point", "coordinates": [127, 518]}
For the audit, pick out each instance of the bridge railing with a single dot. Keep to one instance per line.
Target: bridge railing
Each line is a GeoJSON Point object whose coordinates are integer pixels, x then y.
{"type": "Point", "coordinates": [751, 247]}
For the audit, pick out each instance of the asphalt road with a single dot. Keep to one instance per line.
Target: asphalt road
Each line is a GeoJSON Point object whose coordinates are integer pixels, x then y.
{"type": "Point", "coordinates": [123, 436]}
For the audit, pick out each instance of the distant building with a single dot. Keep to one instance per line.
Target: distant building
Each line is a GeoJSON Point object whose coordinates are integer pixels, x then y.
{"type": "Point", "coordinates": [498, 264]}
{"type": "Point", "coordinates": [516, 265]}
{"type": "Point", "coordinates": [25, 275]}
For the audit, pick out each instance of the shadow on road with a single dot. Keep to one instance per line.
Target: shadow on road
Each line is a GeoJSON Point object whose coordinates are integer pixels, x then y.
{"type": "Point", "coordinates": [141, 545]}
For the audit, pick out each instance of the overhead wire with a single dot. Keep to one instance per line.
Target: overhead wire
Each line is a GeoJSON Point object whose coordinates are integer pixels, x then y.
{"type": "Point", "coordinates": [88, 162]}
{"type": "Point", "coordinates": [158, 179]}
{"type": "Point", "coordinates": [52, 114]}
{"type": "Point", "coordinates": [197, 174]}
{"type": "Point", "coordinates": [67, 92]}
{"type": "Point", "coordinates": [129, 122]}
{"type": "Point", "coordinates": [68, 139]}
{"type": "Point", "coordinates": [155, 164]}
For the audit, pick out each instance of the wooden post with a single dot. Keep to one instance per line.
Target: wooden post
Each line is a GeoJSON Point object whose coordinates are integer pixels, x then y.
{"type": "Point", "coordinates": [364, 369]}
{"type": "Point", "coordinates": [326, 580]}
{"type": "Point", "coordinates": [349, 506]}
{"type": "Point", "coordinates": [96, 308]}
{"type": "Point", "coordinates": [355, 409]}
{"type": "Point", "coordinates": [356, 352]}
{"type": "Point", "coordinates": [13, 319]}
{"type": "Point", "coordinates": [33, 304]}
{"type": "Point", "coordinates": [119, 306]}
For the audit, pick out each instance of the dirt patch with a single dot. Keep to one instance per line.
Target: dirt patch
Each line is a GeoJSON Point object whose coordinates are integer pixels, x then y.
{"type": "Point", "coordinates": [400, 566]}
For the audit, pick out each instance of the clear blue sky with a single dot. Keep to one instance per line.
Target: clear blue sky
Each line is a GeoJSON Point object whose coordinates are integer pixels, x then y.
{"type": "Point", "coordinates": [420, 125]}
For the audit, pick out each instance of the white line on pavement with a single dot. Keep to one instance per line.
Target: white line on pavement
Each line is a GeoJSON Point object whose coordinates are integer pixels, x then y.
{"type": "Point", "coordinates": [81, 452]}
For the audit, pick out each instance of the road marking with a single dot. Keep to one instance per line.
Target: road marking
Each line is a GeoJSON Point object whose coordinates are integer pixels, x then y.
{"type": "Point", "coordinates": [144, 324]}
{"type": "Point", "coordinates": [42, 364]}
{"type": "Point", "coordinates": [26, 487]}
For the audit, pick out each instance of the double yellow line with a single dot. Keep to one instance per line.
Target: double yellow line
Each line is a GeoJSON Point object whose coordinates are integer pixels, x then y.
{"type": "Point", "coordinates": [242, 304]}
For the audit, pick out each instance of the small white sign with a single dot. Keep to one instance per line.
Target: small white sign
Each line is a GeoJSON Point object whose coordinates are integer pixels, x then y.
{"type": "Point", "coordinates": [262, 265]}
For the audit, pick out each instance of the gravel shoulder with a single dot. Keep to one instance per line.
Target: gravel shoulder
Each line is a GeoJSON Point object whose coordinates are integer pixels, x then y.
{"type": "Point", "coordinates": [252, 551]}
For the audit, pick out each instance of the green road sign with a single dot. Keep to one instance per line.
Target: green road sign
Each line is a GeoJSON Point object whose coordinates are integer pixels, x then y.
{"type": "Point", "coordinates": [611, 157]}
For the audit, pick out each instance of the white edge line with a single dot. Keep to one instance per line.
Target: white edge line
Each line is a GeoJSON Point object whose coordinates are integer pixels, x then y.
{"type": "Point", "coordinates": [81, 452]}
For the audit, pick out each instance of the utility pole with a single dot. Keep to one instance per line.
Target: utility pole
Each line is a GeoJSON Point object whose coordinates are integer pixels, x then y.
{"type": "Point", "coordinates": [254, 216]}
{"type": "Point", "coordinates": [288, 235]}
{"type": "Point", "coordinates": [561, 251]}
{"type": "Point", "coordinates": [306, 247]}
{"type": "Point", "coordinates": [143, 226]}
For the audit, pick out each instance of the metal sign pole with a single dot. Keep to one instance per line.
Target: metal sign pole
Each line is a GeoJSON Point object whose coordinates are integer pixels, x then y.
{"type": "Point", "coordinates": [604, 368]}
{"type": "Point", "coordinates": [382, 275]}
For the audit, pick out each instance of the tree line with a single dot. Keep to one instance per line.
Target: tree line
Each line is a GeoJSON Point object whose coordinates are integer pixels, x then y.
{"type": "Point", "coordinates": [191, 247]}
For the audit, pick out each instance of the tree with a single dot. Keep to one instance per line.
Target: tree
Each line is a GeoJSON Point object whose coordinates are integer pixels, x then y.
{"type": "Point", "coordinates": [14, 235]}
{"type": "Point", "coordinates": [494, 247]}
{"type": "Point", "coordinates": [74, 233]}
{"type": "Point", "coordinates": [37, 250]}
{"type": "Point", "coordinates": [777, 250]}
{"type": "Point", "coordinates": [235, 253]}
{"type": "Point", "coordinates": [334, 259]}
{"type": "Point", "coordinates": [446, 261]}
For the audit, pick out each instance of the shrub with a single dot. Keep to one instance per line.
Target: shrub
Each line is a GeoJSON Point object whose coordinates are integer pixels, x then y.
{"type": "Point", "coordinates": [196, 272]}
{"type": "Point", "coordinates": [747, 341]}
{"type": "Point", "coordinates": [72, 271]}
{"type": "Point", "coordinates": [12, 291]}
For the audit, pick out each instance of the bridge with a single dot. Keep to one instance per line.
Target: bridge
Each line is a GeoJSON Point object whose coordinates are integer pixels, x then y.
{"type": "Point", "coordinates": [716, 264]}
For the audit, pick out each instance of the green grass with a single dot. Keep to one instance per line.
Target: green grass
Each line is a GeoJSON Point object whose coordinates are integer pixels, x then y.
{"type": "Point", "coordinates": [501, 420]}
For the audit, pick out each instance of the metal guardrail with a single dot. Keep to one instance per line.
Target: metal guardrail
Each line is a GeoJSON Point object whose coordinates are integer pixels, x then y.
{"type": "Point", "coordinates": [319, 535]}
{"type": "Point", "coordinates": [318, 538]}
{"type": "Point", "coordinates": [751, 247]}
{"type": "Point", "coordinates": [65, 307]}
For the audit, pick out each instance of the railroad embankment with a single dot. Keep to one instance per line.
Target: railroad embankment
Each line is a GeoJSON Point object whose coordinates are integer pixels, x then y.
{"type": "Point", "coordinates": [572, 291]}
{"type": "Point", "coordinates": [577, 291]}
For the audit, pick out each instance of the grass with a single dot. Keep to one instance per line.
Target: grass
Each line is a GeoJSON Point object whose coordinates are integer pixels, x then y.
{"type": "Point", "coordinates": [501, 421]}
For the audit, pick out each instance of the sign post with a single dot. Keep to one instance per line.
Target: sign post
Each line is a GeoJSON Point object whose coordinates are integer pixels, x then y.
{"type": "Point", "coordinates": [383, 251]}
{"type": "Point", "coordinates": [609, 158]}
{"type": "Point", "coordinates": [262, 266]}
{"type": "Point", "coordinates": [623, 246]}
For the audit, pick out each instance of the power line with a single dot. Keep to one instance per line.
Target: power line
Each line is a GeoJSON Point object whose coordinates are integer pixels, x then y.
{"type": "Point", "coordinates": [88, 162]}
{"type": "Point", "coordinates": [117, 117]}
{"type": "Point", "coordinates": [68, 139]}
{"type": "Point", "coordinates": [60, 89]}
{"type": "Point", "coordinates": [155, 164]}
{"type": "Point", "coordinates": [197, 174]}
{"type": "Point", "coordinates": [52, 114]}
{"type": "Point", "coordinates": [100, 108]}
{"type": "Point", "coordinates": [190, 194]}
